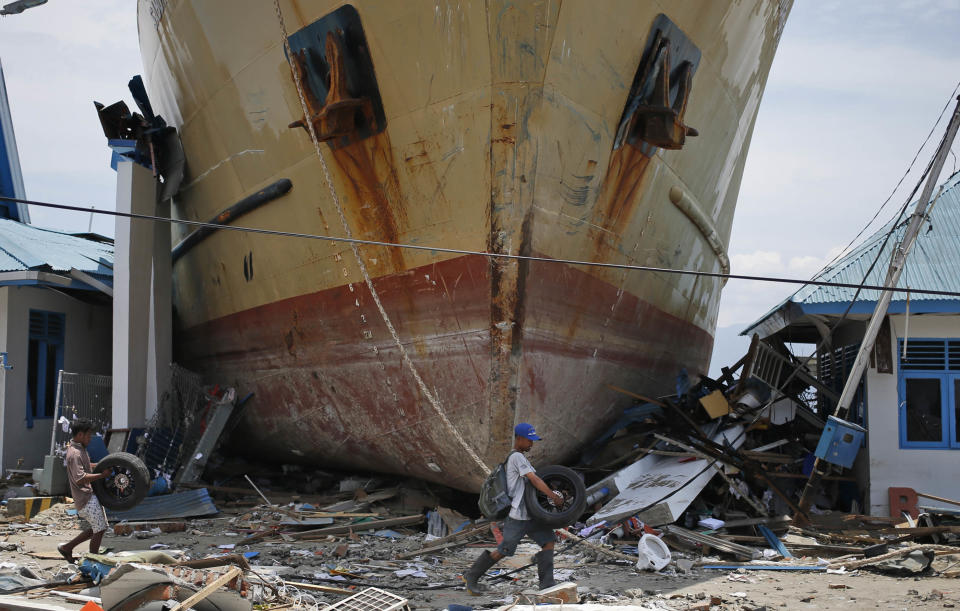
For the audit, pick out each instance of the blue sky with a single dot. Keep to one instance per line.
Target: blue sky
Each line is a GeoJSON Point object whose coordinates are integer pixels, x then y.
{"type": "Point", "coordinates": [853, 91]}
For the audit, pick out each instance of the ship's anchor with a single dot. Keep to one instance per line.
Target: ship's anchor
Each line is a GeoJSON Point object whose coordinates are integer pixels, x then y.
{"type": "Point", "coordinates": [654, 119]}
{"type": "Point", "coordinates": [337, 116]}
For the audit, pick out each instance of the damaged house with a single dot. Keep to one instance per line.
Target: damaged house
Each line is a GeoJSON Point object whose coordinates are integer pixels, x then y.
{"type": "Point", "coordinates": [55, 313]}
{"type": "Point", "coordinates": [909, 398]}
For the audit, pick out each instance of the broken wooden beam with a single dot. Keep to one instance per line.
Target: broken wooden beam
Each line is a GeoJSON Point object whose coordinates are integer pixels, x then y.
{"type": "Point", "coordinates": [209, 589]}
{"type": "Point", "coordinates": [599, 548]}
{"type": "Point", "coordinates": [939, 550]}
{"type": "Point", "coordinates": [715, 542]}
{"type": "Point", "coordinates": [358, 527]}
{"type": "Point", "coordinates": [450, 541]}
{"type": "Point", "coordinates": [938, 498]}
{"type": "Point", "coordinates": [318, 588]}
{"type": "Point", "coordinates": [215, 561]}
{"type": "Point", "coordinates": [126, 528]}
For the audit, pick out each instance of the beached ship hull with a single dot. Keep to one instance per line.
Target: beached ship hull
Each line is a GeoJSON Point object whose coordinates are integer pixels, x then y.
{"type": "Point", "coordinates": [483, 126]}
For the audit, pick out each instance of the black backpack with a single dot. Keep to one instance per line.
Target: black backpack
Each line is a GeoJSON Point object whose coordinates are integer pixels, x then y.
{"type": "Point", "coordinates": [495, 499]}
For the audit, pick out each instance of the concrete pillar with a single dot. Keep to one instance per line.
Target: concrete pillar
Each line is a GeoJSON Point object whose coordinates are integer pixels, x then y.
{"type": "Point", "coordinates": [133, 253]}
{"type": "Point", "coordinates": [5, 462]}
{"type": "Point", "coordinates": [160, 353]}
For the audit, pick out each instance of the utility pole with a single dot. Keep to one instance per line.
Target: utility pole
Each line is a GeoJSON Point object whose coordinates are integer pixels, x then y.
{"type": "Point", "coordinates": [893, 277]}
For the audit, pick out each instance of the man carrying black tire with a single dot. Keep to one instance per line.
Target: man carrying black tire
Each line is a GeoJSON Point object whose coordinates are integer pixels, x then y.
{"type": "Point", "coordinates": [518, 522]}
{"type": "Point", "coordinates": [93, 520]}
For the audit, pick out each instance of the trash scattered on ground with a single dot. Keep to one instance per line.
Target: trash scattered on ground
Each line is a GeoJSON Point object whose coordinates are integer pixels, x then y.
{"type": "Point", "coordinates": [695, 488]}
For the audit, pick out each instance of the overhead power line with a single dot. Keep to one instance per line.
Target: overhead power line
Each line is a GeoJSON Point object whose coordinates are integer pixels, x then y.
{"type": "Point", "coordinates": [460, 251]}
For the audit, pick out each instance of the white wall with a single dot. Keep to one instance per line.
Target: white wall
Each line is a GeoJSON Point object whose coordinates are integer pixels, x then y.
{"type": "Point", "coordinates": [930, 471]}
{"type": "Point", "coordinates": [87, 344]}
{"type": "Point", "coordinates": [5, 374]}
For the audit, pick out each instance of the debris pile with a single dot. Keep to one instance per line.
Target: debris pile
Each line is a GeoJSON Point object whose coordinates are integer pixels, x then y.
{"type": "Point", "coordinates": [698, 486]}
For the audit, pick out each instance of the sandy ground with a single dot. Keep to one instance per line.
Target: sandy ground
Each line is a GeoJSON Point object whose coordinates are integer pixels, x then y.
{"type": "Point", "coordinates": [601, 582]}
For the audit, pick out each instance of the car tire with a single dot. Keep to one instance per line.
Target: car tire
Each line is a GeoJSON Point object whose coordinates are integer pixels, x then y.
{"type": "Point", "coordinates": [127, 486]}
{"type": "Point", "coordinates": [570, 484]}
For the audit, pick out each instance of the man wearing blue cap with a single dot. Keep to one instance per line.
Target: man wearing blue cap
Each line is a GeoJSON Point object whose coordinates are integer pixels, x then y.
{"type": "Point", "coordinates": [518, 522]}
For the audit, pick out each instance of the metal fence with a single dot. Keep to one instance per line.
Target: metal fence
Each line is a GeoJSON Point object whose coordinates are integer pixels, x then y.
{"type": "Point", "coordinates": [172, 431]}
{"type": "Point", "coordinates": [161, 444]}
{"type": "Point", "coordinates": [80, 395]}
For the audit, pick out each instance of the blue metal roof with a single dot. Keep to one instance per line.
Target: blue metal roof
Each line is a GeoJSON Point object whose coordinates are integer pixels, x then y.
{"type": "Point", "coordinates": [28, 248]}
{"type": "Point", "coordinates": [11, 180]}
{"type": "Point", "coordinates": [932, 264]}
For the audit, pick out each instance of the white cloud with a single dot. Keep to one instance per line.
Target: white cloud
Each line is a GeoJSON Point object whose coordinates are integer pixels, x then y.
{"type": "Point", "coordinates": [757, 262]}
{"type": "Point", "coordinates": [843, 67]}
{"type": "Point", "coordinates": [743, 301]}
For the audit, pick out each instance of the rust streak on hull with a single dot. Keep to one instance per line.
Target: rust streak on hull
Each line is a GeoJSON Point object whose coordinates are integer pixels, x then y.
{"type": "Point", "coordinates": [370, 187]}
{"type": "Point", "coordinates": [622, 189]}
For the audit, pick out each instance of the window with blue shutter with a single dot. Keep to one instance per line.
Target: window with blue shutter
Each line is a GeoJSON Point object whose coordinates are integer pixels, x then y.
{"type": "Point", "coordinates": [928, 385]}
{"type": "Point", "coordinates": [44, 362]}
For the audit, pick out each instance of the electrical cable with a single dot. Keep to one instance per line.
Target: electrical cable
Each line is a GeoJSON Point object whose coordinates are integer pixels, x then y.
{"type": "Point", "coordinates": [897, 187]}
{"type": "Point", "coordinates": [774, 396]}
{"type": "Point", "coordinates": [440, 249]}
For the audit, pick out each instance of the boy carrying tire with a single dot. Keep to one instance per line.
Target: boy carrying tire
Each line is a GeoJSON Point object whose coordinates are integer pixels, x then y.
{"type": "Point", "coordinates": [518, 522]}
{"type": "Point", "coordinates": [93, 520]}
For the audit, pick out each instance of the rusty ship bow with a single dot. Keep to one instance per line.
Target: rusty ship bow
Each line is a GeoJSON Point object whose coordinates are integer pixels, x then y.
{"type": "Point", "coordinates": [611, 132]}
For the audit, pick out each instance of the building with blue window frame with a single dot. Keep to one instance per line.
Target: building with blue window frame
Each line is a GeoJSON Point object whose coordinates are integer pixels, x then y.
{"type": "Point", "coordinates": [55, 313]}
{"type": "Point", "coordinates": [909, 398]}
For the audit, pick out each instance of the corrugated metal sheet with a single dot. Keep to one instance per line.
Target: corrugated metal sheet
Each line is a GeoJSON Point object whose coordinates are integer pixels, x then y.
{"type": "Point", "coordinates": [932, 264]}
{"type": "Point", "coordinates": [25, 247]}
{"type": "Point", "coordinates": [177, 505]}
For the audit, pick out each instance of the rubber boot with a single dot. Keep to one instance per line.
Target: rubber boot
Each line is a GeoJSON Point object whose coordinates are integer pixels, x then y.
{"type": "Point", "coordinates": [480, 566]}
{"type": "Point", "coordinates": [545, 568]}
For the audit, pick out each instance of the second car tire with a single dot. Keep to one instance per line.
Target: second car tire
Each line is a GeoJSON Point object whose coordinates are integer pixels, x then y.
{"type": "Point", "coordinates": [127, 486]}
{"type": "Point", "coordinates": [570, 484]}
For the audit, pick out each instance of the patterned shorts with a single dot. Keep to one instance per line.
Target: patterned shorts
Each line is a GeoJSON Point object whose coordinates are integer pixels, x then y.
{"type": "Point", "coordinates": [93, 516]}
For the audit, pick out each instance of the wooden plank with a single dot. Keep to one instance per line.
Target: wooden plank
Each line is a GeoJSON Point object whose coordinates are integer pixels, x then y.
{"type": "Point", "coordinates": [317, 588]}
{"type": "Point", "coordinates": [429, 550]}
{"type": "Point", "coordinates": [454, 540]}
{"type": "Point", "coordinates": [215, 561]}
{"type": "Point", "coordinates": [599, 548]}
{"type": "Point", "coordinates": [938, 498]}
{"type": "Point", "coordinates": [346, 528]}
{"type": "Point", "coordinates": [833, 478]}
{"type": "Point", "coordinates": [769, 457]}
{"type": "Point", "coordinates": [337, 514]}
{"type": "Point", "coordinates": [714, 542]}
{"type": "Point", "coordinates": [126, 528]}
{"type": "Point", "coordinates": [463, 534]}
{"type": "Point", "coordinates": [919, 531]}
{"type": "Point", "coordinates": [209, 589]}
{"type": "Point", "coordinates": [774, 521]}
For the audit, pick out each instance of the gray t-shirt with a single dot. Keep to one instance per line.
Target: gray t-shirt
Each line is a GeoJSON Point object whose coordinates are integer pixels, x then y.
{"type": "Point", "coordinates": [517, 468]}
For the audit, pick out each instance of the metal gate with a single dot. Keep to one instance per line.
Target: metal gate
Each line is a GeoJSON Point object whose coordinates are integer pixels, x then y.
{"type": "Point", "coordinates": [80, 395]}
